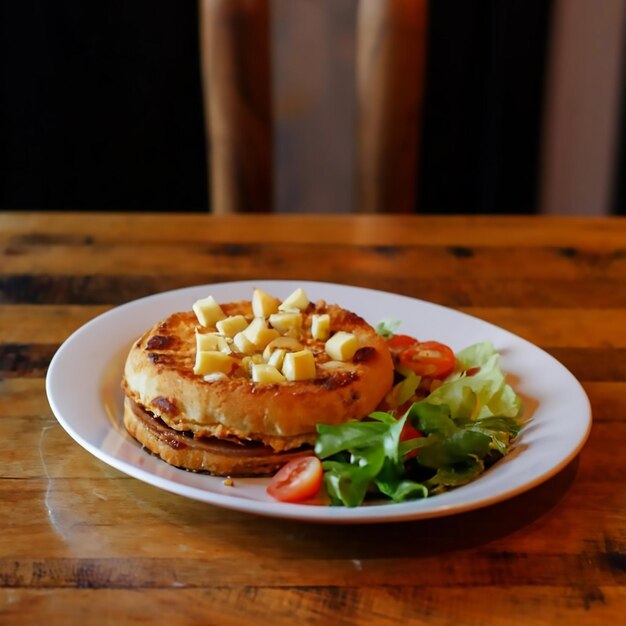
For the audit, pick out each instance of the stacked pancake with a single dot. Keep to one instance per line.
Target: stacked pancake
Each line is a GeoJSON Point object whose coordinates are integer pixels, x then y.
{"type": "Point", "coordinates": [237, 389]}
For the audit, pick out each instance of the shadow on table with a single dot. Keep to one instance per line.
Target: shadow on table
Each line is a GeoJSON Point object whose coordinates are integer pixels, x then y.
{"type": "Point", "coordinates": [437, 535]}
{"type": "Point", "coordinates": [287, 539]}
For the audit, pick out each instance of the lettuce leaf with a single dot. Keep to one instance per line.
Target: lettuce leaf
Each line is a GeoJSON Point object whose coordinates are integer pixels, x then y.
{"type": "Point", "coordinates": [348, 436]}
{"type": "Point", "coordinates": [393, 484]}
{"type": "Point", "coordinates": [456, 475]}
{"type": "Point", "coordinates": [460, 447]}
{"type": "Point", "coordinates": [403, 391]}
{"type": "Point", "coordinates": [360, 456]}
{"type": "Point", "coordinates": [387, 328]}
{"type": "Point", "coordinates": [485, 393]}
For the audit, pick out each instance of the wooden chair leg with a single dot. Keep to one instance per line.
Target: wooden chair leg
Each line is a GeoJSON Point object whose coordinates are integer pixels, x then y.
{"type": "Point", "coordinates": [235, 63]}
{"type": "Point", "coordinates": [391, 61]}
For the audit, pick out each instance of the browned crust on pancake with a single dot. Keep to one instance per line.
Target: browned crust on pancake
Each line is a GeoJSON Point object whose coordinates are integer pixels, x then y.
{"type": "Point", "coordinates": [159, 376]}
{"type": "Point", "coordinates": [221, 458]}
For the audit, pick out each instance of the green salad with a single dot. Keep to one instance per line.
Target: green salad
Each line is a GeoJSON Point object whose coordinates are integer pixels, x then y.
{"type": "Point", "coordinates": [434, 434]}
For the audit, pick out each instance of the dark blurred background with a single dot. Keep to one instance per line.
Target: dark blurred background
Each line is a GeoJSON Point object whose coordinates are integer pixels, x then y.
{"type": "Point", "coordinates": [101, 107]}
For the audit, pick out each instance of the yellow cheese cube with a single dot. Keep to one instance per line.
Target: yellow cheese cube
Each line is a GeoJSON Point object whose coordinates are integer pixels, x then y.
{"type": "Point", "coordinates": [211, 361]}
{"type": "Point", "coordinates": [208, 311]}
{"type": "Point", "coordinates": [211, 342]}
{"type": "Point", "coordinates": [286, 322]}
{"type": "Point", "coordinates": [320, 327]}
{"type": "Point", "coordinates": [286, 343]}
{"type": "Point", "coordinates": [230, 326]}
{"type": "Point", "coordinates": [277, 357]}
{"type": "Point", "coordinates": [297, 300]}
{"type": "Point", "coordinates": [249, 361]}
{"type": "Point", "coordinates": [259, 333]}
{"type": "Point", "coordinates": [299, 365]}
{"type": "Point", "coordinates": [263, 305]}
{"type": "Point", "coordinates": [266, 374]}
{"type": "Point", "coordinates": [342, 346]}
{"type": "Point", "coordinates": [243, 344]}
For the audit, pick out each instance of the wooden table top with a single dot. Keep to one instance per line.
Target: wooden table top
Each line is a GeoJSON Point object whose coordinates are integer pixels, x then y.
{"type": "Point", "coordinates": [83, 543]}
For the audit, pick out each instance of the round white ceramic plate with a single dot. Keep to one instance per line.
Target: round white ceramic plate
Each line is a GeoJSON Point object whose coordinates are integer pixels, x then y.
{"type": "Point", "coordinates": [83, 387]}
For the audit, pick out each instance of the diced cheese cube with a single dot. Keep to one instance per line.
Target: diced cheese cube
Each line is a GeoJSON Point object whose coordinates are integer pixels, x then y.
{"type": "Point", "coordinates": [299, 365]}
{"type": "Point", "coordinates": [259, 333]}
{"type": "Point", "coordinates": [320, 327]}
{"type": "Point", "coordinates": [211, 342]}
{"type": "Point", "coordinates": [342, 346]}
{"type": "Point", "coordinates": [248, 362]}
{"type": "Point", "coordinates": [277, 357]}
{"type": "Point", "coordinates": [286, 343]}
{"type": "Point", "coordinates": [208, 311]}
{"type": "Point", "coordinates": [263, 305]}
{"type": "Point", "coordinates": [297, 300]}
{"type": "Point", "coordinates": [266, 374]}
{"type": "Point", "coordinates": [243, 344]}
{"type": "Point", "coordinates": [230, 326]}
{"type": "Point", "coordinates": [211, 361]}
{"type": "Point", "coordinates": [206, 342]}
{"type": "Point", "coordinates": [285, 322]}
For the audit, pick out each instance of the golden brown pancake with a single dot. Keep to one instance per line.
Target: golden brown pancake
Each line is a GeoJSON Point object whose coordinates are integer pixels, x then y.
{"type": "Point", "coordinates": [270, 421]}
{"type": "Point", "coordinates": [209, 454]}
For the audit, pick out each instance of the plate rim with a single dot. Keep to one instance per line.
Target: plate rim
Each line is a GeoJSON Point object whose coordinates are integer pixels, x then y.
{"type": "Point", "coordinates": [376, 513]}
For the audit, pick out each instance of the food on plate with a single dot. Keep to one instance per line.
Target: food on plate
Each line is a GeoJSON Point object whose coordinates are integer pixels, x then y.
{"type": "Point", "coordinates": [447, 418]}
{"type": "Point", "coordinates": [298, 480]}
{"type": "Point", "coordinates": [239, 388]}
{"type": "Point", "coordinates": [337, 411]}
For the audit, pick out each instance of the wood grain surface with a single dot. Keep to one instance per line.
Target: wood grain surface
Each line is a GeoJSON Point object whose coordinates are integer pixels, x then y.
{"type": "Point", "coordinates": [82, 543]}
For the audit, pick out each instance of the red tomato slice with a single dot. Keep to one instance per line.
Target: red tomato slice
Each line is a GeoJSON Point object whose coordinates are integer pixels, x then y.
{"type": "Point", "coordinates": [397, 343]}
{"type": "Point", "coordinates": [409, 432]}
{"type": "Point", "coordinates": [428, 358]}
{"type": "Point", "coordinates": [299, 480]}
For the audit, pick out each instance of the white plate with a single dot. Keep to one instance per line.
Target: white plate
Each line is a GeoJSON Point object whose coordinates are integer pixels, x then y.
{"type": "Point", "coordinates": [84, 393]}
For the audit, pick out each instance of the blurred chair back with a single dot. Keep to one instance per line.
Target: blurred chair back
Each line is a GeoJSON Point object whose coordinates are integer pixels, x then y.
{"type": "Point", "coordinates": [235, 65]}
{"type": "Point", "coordinates": [384, 104]}
{"type": "Point", "coordinates": [374, 106]}
{"type": "Point", "coordinates": [391, 61]}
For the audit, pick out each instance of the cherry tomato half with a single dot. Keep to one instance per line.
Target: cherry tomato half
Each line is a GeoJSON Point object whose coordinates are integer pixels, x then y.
{"type": "Point", "coordinates": [398, 343]}
{"type": "Point", "coordinates": [428, 358]}
{"type": "Point", "coordinates": [409, 432]}
{"type": "Point", "coordinates": [298, 480]}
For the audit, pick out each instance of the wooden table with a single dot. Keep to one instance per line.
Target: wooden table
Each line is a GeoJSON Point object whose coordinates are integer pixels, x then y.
{"type": "Point", "coordinates": [82, 543]}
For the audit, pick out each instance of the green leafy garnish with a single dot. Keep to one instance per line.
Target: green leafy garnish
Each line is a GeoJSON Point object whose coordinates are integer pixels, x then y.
{"type": "Point", "coordinates": [485, 393]}
{"type": "Point", "coordinates": [455, 475]}
{"type": "Point", "coordinates": [387, 328]}
{"type": "Point", "coordinates": [403, 391]}
{"type": "Point", "coordinates": [359, 456]}
{"type": "Point", "coordinates": [465, 424]}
